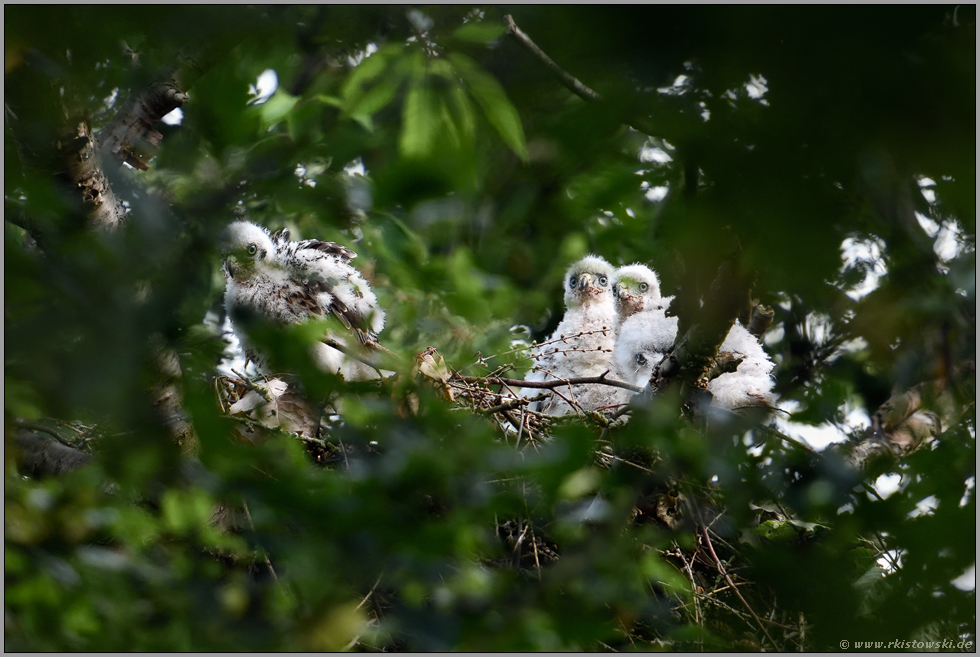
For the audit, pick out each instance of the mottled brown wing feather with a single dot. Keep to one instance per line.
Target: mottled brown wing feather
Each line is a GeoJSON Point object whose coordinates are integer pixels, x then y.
{"type": "Point", "coordinates": [303, 298]}
{"type": "Point", "coordinates": [306, 297]}
{"type": "Point", "coordinates": [330, 248]}
{"type": "Point", "coordinates": [352, 321]}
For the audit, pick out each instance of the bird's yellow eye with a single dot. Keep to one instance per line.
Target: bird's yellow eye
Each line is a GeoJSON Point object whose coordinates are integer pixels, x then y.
{"type": "Point", "coordinates": [252, 249]}
{"type": "Point", "coordinates": [644, 287]}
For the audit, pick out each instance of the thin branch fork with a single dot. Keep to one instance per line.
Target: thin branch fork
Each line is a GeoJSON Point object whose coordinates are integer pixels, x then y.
{"type": "Point", "coordinates": [366, 358]}
{"type": "Point", "coordinates": [482, 360]}
{"type": "Point", "coordinates": [512, 404]}
{"type": "Point", "coordinates": [551, 385]}
{"type": "Point", "coordinates": [724, 571]}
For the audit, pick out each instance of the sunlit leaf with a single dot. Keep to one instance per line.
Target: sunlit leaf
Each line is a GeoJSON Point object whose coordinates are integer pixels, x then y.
{"type": "Point", "coordinates": [370, 68]}
{"type": "Point", "coordinates": [374, 99]}
{"type": "Point", "coordinates": [462, 111]}
{"type": "Point", "coordinates": [276, 108]}
{"type": "Point", "coordinates": [420, 122]}
{"type": "Point", "coordinates": [480, 32]}
{"type": "Point", "coordinates": [492, 98]}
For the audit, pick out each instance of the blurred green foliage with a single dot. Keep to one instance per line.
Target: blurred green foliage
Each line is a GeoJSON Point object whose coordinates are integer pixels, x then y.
{"type": "Point", "coordinates": [467, 178]}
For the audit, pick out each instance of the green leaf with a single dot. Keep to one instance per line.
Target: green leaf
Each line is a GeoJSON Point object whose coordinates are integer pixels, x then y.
{"type": "Point", "coordinates": [420, 122]}
{"type": "Point", "coordinates": [492, 98]}
{"type": "Point", "coordinates": [364, 121]}
{"type": "Point", "coordinates": [579, 483]}
{"type": "Point", "coordinates": [656, 570]}
{"type": "Point", "coordinates": [184, 511]}
{"type": "Point", "coordinates": [776, 530]}
{"type": "Point", "coordinates": [276, 108]}
{"type": "Point", "coordinates": [442, 68]}
{"type": "Point", "coordinates": [463, 112]}
{"type": "Point", "coordinates": [333, 101]}
{"type": "Point", "coordinates": [482, 32]}
{"type": "Point", "coordinates": [374, 99]}
{"type": "Point", "coordinates": [20, 399]}
{"type": "Point", "coordinates": [871, 588]}
{"type": "Point", "coordinates": [369, 68]}
{"type": "Point", "coordinates": [446, 118]}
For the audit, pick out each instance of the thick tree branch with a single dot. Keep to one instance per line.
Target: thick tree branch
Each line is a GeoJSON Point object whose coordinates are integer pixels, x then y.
{"type": "Point", "coordinates": [909, 418]}
{"type": "Point", "coordinates": [83, 171]}
{"type": "Point", "coordinates": [761, 321]}
{"type": "Point", "coordinates": [692, 355]}
{"type": "Point", "coordinates": [167, 397]}
{"type": "Point", "coordinates": [41, 456]}
{"type": "Point", "coordinates": [129, 137]}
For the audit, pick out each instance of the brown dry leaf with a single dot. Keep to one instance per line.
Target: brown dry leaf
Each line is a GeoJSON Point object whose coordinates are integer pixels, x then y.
{"type": "Point", "coordinates": [430, 364]}
{"type": "Point", "coordinates": [277, 405]}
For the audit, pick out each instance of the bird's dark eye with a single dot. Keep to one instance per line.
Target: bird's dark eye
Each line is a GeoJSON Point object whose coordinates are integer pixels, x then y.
{"type": "Point", "coordinates": [602, 281]}
{"type": "Point", "coordinates": [572, 282]}
{"type": "Point", "coordinates": [644, 287]}
{"type": "Point", "coordinates": [252, 249]}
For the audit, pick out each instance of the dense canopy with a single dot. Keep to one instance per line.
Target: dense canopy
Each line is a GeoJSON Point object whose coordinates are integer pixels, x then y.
{"type": "Point", "coordinates": [816, 161]}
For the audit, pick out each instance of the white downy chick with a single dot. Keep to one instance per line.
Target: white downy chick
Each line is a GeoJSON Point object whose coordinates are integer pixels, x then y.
{"type": "Point", "coordinates": [582, 344]}
{"type": "Point", "coordinates": [636, 288]}
{"type": "Point", "coordinates": [750, 384]}
{"type": "Point", "coordinates": [644, 340]}
{"type": "Point", "coordinates": [637, 292]}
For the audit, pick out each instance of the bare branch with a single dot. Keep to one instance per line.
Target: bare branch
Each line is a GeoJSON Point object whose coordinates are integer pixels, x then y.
{"type": "Point", "coordinates": [572, 83]}
{"type": "Point", "coordinates": [514, 403]}
{"type": "Point", "coordinates": [367, 358]}
{"type": "Point", "coordinates": [721, 568]}
{"type": "Point", "coordinates": [551, 385]}
{"type": "Point", "coordinates": [694, 352]}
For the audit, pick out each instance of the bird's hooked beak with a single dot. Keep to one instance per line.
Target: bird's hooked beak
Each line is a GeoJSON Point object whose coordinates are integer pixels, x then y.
{"type": "Point", "coordinates": [230, 265]}
{"type": "Point", "coordinates": [585, 284]}
{"type": "Point", "coordinates": [624, 292]}
{"type": "Point", "coordinates": [626, 301]}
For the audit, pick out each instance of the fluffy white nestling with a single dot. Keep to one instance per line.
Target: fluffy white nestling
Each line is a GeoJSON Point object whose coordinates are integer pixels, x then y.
{"type": "Point", "coordinates": [636, 288]}
{"type": "Point", "coordinates": [750, 384]}
{"type": "Point", "coordinates": [644, 339]}
{"type": "Point", "coordinates": [582, 344]}
{"type": "Point", "coordinates": [293, 282]}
